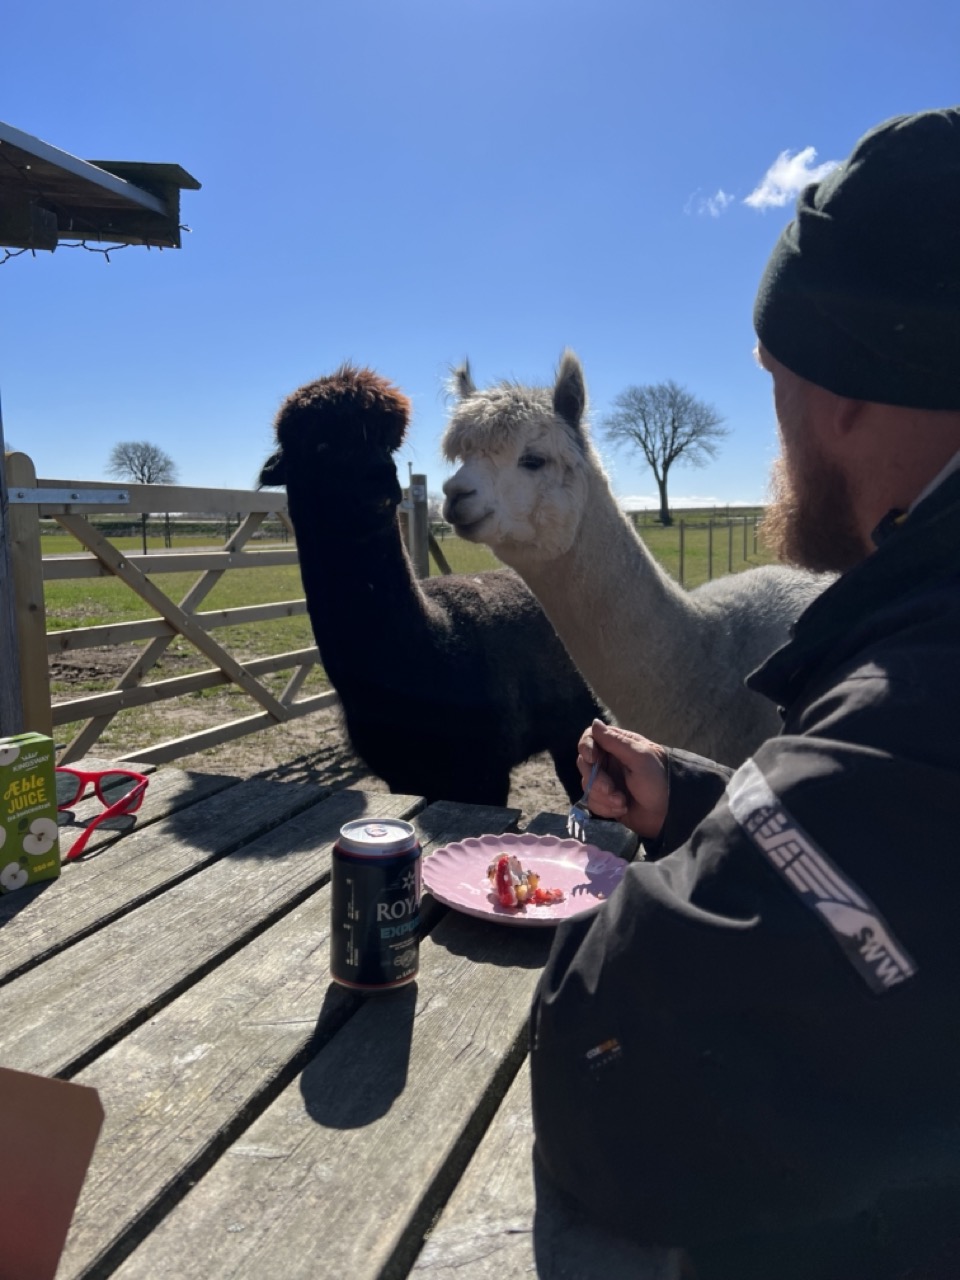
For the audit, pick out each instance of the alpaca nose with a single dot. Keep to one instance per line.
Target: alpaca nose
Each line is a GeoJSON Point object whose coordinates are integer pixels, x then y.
{"type": "Point", "coordinates": [454, 487]}
{"type": "Point", "coordinates": [455, 490]}
{"type": "Point", "coordinates": [454, 495]}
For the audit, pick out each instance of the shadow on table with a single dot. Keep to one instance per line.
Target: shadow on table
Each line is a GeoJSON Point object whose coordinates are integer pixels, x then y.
{"type": "Point", "coordinates": [11, 904]}
{"type": "Point", "coordinates": [486, 941]}
{"type": "Point", "coordinates": [209, 813]}
{"type": "Point", "coordinates": [180, 800]}
{"type": "Point", "coordinates": [72, 828]}
{"type": "Point", "coordinates": [224, 815]}
{"type": "Point", "coordinates": [358, 1076]}
{"type": "Point", "coordinates": [332, 765]}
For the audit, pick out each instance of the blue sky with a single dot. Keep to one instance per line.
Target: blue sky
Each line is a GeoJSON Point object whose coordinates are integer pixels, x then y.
{"type": "Point", "coordinates": [408, 182]}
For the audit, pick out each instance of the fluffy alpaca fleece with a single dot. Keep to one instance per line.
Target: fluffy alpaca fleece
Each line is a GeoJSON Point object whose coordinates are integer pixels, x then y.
{"type": "Point", "coordinates": [666, 662]}
{"type": "Point", "coordinates": [445, 684]}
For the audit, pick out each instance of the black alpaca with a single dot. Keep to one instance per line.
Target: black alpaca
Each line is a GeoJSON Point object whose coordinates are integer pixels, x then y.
{"type": "Point", "coordinates": [445, 684]}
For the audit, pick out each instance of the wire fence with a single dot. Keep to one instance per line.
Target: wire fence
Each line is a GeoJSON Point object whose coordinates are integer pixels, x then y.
{"type": "Point", "coordinates": [698, 550]}
{"type": "Point", "coordinates": [695, 548]}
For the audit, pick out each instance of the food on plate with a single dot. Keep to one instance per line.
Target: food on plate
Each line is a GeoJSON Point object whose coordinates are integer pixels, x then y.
{"type": "Point", "coordinates": [516, 887]}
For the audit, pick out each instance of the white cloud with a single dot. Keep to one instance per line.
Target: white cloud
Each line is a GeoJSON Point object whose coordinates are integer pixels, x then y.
{"type": "Point", "coordinates": [787, 177]}
{"type": "Point", "coordinates": [713, 205]}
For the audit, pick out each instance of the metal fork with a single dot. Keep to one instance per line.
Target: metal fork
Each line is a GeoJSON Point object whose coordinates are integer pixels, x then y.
{"type": "Point", "coordinates": [579, 814]}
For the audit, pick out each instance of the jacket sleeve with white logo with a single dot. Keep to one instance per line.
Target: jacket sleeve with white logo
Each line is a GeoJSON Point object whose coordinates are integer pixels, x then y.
{"type": "Point", "coordinates": [758, 1032]}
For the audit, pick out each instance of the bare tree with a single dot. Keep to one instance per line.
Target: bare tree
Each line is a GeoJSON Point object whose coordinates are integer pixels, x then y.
{"type": "Point", "coordinates": [668, 425]}
{"type": "Point", "coordinates": [435, 508]}
{"type": "Point", "coordinates": [144, 463]}
{"type": "Point", "coordinates": [141, 462]}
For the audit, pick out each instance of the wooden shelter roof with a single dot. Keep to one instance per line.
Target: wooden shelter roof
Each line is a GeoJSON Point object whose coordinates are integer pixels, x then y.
{"type": "Point", "coordinates": [48, 195]}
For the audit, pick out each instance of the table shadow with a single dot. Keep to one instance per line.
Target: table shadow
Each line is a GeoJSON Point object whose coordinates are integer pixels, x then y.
{"type": "Point", "coordinates": [273, 815]}
{"type": "Point", "coordinates": [358, 1075]}
{"type": "Point", "coordinates": [11, 904]}
{"type": "Point", "coordinates": [486, 941]}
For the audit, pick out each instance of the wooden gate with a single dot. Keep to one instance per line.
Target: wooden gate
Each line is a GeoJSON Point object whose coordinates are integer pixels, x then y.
{"type": "Point", "coordinates": [30, 499]}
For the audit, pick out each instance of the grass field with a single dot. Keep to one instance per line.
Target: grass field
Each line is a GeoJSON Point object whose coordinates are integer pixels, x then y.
{"type": "Point", "coordinates": [734, 547]}
{"type": "Point", "coordinates": [93, 602]}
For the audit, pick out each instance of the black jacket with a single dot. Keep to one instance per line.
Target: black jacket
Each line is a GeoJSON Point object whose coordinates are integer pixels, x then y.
{"type": "Point", "coordinates": [753, 1049]}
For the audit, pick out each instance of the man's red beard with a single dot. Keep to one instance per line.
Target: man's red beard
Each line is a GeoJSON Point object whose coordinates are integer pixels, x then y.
{"type": "Point", "coordinates": [809, 519]}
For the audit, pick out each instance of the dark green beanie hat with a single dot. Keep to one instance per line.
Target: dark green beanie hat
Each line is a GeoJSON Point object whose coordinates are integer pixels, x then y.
{"type": "Point", "coordinates": [862, 291]}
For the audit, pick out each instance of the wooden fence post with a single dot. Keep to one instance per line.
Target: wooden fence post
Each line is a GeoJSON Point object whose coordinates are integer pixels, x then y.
{"type": "Point", "coordinates": [27, 560]}
{"type": "Point", "coordinates": [11, 704]}
{"type": "Point", "coordinates": [729, 545]}
{"type": "Point", "coordinates": [440, 559]}
{"type": "Point", "coordinates": [744, 537]}
{"type": "Point", "coordinates": [681, 551]}
{"type": "Point", "coordinates": [709, 549]}
{"type": "Point", "coordinates": [404, 514]}
{"type": "Point", "coordinates": [419, 526]}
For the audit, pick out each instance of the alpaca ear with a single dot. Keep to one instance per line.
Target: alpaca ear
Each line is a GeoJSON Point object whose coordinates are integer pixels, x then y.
{"type": "Point", "coordinates": [463, 384]}
{"type": "Point", "coordinates": [274, 470]}
{"type": "Point", "coordinates": [569, 390]}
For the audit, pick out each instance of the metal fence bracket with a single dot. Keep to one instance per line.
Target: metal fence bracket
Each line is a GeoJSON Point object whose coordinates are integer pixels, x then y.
{"type": "Point", "coordinates": [63, 497]}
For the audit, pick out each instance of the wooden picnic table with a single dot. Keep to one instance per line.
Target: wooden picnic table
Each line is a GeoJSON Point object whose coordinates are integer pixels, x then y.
{"type": "Point", "coordinates": [262, 1121]}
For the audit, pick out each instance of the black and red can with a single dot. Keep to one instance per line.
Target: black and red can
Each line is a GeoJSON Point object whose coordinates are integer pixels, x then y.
{"type": "Point", "coordinates": [375, 922]}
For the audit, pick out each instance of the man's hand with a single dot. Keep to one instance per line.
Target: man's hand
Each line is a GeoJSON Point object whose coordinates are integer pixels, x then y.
{"type": "Point", "coordinates": [631, 786]}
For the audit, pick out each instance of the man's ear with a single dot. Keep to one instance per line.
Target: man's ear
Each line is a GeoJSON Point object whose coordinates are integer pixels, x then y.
{"type": "Point", "coordinates": [850, 416]}
{"type": "Point", "coordinates": [839, 422]}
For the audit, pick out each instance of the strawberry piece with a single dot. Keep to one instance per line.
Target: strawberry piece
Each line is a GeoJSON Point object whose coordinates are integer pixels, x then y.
{"type": "Point", "coordinates": [503, 882]}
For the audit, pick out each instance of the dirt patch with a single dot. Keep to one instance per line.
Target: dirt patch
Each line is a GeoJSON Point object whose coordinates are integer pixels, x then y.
{"type": "Point", "coordinates": [314, 748]}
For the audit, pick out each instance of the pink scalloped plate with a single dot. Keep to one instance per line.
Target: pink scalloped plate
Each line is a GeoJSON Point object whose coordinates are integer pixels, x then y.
{"type": "Point", "coordinates": [456, 875]}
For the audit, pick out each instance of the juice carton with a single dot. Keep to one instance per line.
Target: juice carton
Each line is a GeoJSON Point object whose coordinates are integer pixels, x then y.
{"type": "Point", "coordinates": [29, 837]}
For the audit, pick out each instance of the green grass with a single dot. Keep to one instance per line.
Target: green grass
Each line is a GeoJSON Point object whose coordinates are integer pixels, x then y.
{"type": "Point", "coordinates": [729, 555]}
{"type": "Point", "coordinates": [65, 544]}
{"type": "Point", "coordinates": [101, 601]}
{"type": "Point", "coordinates": [91, 602]}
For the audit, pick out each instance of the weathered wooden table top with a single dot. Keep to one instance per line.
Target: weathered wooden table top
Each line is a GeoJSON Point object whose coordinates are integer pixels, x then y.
{"type": "Point", "coordinates": [260, 1120]}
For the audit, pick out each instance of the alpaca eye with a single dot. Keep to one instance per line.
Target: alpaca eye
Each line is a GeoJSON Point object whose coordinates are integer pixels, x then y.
{"type": "Point", "coordinates": [532, 461]}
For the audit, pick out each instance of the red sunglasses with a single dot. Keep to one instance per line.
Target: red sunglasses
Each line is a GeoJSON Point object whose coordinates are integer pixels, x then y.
{"type": "Point", "coordinates": [118, 790]}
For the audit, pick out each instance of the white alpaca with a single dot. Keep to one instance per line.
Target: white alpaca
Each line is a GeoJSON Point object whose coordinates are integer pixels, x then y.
{"type": "Point", "coordinates": [667, 662]}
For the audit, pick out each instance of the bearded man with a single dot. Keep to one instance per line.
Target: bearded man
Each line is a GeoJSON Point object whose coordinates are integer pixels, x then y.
{"type": "Point", "coordinates": [752, 1051]}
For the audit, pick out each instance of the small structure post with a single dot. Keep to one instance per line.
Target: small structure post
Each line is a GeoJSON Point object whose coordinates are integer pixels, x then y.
{"type": "Point", "coordinates": [26, 558]}
{"type": "Point", "coordinates": [419, 526]}
{"type": "Point", "coordinates": [11, 705]}
{"type": "Point", "coordinates": [710, 549]}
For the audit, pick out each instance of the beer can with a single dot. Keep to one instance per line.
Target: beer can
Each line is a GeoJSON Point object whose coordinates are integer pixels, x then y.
{"type": "Point", "coordinates": [375, 920]}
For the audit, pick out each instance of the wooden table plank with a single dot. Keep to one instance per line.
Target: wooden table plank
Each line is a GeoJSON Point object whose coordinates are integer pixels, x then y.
{"type": "Point", "coordinates": [45, 917]}
{"type": "Point", "coordinates": [501, 1223]}
{"type": "Point", "coordinates": [54, 1016]}
{"type": "Point", "coordinates": [342, 1174]}
{"type": "Point", "coordinates": [178, 1087]}
{"type": "Point", "coordinates": [146, 861]}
